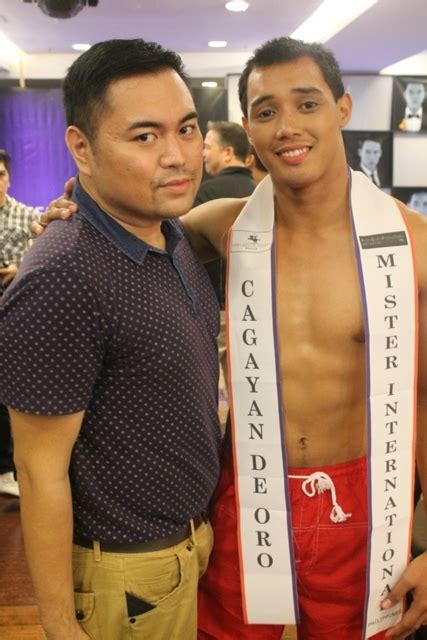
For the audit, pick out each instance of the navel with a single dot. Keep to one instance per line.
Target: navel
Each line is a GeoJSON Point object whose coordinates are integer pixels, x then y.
{"type": "Point", "coordinates": [303, 442]}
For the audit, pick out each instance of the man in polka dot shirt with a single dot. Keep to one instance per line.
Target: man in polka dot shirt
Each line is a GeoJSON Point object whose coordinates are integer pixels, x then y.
{"type": "Point", "coordinates": [109, 363]}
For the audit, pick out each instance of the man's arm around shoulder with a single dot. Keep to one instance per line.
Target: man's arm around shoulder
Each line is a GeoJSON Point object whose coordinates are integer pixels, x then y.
{"type": "Point", "coordinates": [43, 447]}
{"type": "Point", "coordinates": [207, 225]}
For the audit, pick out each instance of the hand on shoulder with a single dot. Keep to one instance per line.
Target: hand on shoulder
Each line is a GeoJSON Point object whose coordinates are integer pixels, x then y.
{"type": "Point", "coordinates": [60, 209]}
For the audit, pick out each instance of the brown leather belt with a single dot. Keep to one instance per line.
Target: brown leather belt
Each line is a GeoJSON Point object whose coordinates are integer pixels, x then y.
{"type": "Point", "coordinates": [150, 545]}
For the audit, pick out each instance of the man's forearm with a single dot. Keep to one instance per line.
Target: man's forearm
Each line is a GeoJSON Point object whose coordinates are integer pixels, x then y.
{"type": "Point", "coordinates": [46, 513]}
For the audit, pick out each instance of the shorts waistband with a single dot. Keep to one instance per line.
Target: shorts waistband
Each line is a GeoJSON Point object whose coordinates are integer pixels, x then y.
{"type": "Point", "coordinates": [150, 545]}
{"type": "Point", "coordinates": [335, 470]}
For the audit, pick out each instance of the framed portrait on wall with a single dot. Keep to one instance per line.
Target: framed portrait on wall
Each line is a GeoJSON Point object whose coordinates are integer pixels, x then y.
{"type": "Point", "coordinates": [409, 109]}
{"type": "Point", "coordinates": [414, 197]}
{"type": "Point", "coordinates": [370, 152]}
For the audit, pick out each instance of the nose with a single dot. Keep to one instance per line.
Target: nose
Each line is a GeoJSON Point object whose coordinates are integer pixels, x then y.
{"type": "Point", "coordinates": [288, 125]}
{"type": "Point", "coordinates": [172, 154]}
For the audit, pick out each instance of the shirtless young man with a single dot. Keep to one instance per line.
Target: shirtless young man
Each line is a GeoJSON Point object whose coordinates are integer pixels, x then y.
{"type": "Point", "coordinates": [294, 108]}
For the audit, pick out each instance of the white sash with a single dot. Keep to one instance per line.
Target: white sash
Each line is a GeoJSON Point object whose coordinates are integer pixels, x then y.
{"type": "Point", "coordinates": [389, 287]}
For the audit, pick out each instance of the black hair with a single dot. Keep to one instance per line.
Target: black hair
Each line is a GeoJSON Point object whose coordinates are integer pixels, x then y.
{"type": "Point", "coordinates": [286, 49]}
{"type": "Point", "coordinates": [366, 138]}
{"type": "Point", "coordinates": [89, 77]}
{"type": "Point", "coordinates": [232, 135]}
{"type": "Point", "coordinates": [6, 159]}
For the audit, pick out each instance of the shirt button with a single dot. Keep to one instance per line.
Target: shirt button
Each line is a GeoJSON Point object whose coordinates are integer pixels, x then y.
{"type": "Point", "coordinates": [79, 614]}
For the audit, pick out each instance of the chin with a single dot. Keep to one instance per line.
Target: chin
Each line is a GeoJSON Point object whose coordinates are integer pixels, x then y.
{"type": "Point", "coordinates": [174, 211]}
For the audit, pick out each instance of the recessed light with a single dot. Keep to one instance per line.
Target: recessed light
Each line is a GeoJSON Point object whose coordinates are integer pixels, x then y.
{"type": "Point", "coordinates": [81, 47]}
{"type": "Point", "coordinates": [209, 83]}
{"type": "Point", "coordinates": [217, 43]}
{"type": "Point", "coordinates": [237, 5]}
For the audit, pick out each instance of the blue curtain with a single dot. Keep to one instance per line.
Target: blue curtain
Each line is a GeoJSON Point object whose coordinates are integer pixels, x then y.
{"type": "Point", "coordinates": [32, 128]}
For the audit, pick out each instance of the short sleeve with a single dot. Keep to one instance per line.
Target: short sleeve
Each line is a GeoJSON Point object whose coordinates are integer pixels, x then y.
{"type": "Point", "coordinates": [51, 343]}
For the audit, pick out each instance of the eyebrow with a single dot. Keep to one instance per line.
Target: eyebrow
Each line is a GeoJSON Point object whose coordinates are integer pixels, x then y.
{"type": "Point", "coordinates": [154, 124]}
{"type": "Point", "coordinates": [300, 90]}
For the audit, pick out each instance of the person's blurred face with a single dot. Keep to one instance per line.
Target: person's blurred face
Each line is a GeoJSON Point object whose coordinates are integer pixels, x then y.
{"type": "Point", "coordinates": [214, 154]}
{"type": "Point", "coordinates": [415, 94]}
{"type": "Point", "coordinates": [418, 201]}
{"type": "Point", "coordinates": [370, 154]}
{"type": "Point", "coordinates": [295, 123]}
{"type": "Point", "coordinates": [145, 161]}
{"type": "Point", "coordinates": [4, 183]}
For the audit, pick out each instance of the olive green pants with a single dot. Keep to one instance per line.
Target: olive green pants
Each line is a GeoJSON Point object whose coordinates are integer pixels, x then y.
{"type": "Point", "coordinates": [141, 596]}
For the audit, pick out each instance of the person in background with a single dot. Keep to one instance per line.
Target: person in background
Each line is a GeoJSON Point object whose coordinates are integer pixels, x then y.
{"type": "Point", "coordinates": [16, 231]}
{"type": "Point", "coordinates": [225, 153]}
{"type": "Point", "coordinates": [225, 150]}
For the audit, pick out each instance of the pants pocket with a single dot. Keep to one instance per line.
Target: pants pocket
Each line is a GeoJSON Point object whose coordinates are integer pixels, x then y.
{"type": "Point", "coordinates": [85, 612]}
{"type": "Point", "coordinates": [156, 580]}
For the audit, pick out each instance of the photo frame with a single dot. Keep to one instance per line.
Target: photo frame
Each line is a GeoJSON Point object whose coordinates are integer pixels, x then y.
{"type": "Point", "coordinates": [372, 153]}
{"type": "Point", "coordinates": [409, 104]}
{"type": "Point", "coordinates": [414, 197]}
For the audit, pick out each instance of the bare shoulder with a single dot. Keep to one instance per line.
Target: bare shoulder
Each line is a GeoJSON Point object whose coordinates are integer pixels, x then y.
{"type": "Point", "coordinates": [417, 224]}
{"type": "Point", "coordinates": [207, 225]}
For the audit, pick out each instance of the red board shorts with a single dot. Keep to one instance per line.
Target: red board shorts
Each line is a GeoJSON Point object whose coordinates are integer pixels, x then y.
{"type": "Point", "coordinates": [330, 561]}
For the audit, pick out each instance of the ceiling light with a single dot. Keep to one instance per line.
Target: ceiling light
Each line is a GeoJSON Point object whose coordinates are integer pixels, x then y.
{"type": "Point", "coordinates": [237, 5]}
{"type": "Point", "coordinates": [331, 17]}
{"type": "Point", "coordinates": [413, 66]}
{"type": "Point", "coordinates": [217, 43]}
{"type": "Point", "coordinates": [81, 47]}
{"type": "Point", "coordinates": [209, 83]}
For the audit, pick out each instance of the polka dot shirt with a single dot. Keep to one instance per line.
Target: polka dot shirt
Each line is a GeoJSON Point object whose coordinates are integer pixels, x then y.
{"type": "Point", "coordinates": [97, 320]}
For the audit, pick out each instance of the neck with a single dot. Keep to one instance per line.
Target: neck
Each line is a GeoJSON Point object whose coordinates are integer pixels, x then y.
{"type": "Point", "coordinates": [3, 201]}
{"type": "Point", "coordinates": [149, 231]}
{"type": "Point", "coordinates": [234, 163]}
{"type": "Point", "coordinates": [316, 207]}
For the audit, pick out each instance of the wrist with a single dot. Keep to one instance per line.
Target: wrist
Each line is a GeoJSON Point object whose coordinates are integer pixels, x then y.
{"type": "Point", "coordinates": [61, 629]}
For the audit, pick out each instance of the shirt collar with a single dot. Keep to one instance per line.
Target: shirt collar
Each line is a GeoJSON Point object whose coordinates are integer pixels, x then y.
{"type": "Point", "coordinates": [236, 169]}
{"type": "Point", "coordinates": [6, 202]}
{"type": "Point", "coordinates": [367, 170]}
{"type": "Point", "coordinates": [133, 247]}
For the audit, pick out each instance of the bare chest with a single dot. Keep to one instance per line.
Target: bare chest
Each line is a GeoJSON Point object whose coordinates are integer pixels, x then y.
{"type": "Point", "coordinates": [318, 297]}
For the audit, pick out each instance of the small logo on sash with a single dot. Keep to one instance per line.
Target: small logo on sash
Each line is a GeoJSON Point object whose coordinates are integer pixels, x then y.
{"type": "Point", "coordinates": [378, 240]}
{"type": "Point", "coordinates": [251, 241]}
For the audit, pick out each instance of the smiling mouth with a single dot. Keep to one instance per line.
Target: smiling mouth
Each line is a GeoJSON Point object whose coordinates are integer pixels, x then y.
{"type": "Point", "coordinates": [294, 153]}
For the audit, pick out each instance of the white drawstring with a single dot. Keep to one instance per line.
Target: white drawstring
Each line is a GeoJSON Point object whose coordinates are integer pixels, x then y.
{"type": "Point", "coordinates": [321, 482]}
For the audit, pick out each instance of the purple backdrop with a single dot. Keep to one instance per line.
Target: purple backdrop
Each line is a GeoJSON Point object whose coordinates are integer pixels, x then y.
{"type": "Point", "coordinates": [32, 128]}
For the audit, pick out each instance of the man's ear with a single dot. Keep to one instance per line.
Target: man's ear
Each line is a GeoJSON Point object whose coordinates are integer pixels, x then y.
{"type": "Point", "coordinates": [229, 153]}
{"type": "Point", "coordinates": [80, 148]}
{"type": "Point", "coordinates": [345, 106]}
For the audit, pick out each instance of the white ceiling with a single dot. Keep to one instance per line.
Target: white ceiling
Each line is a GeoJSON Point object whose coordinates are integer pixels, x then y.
{"type": "Point", "coordinates": [389, 31]}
